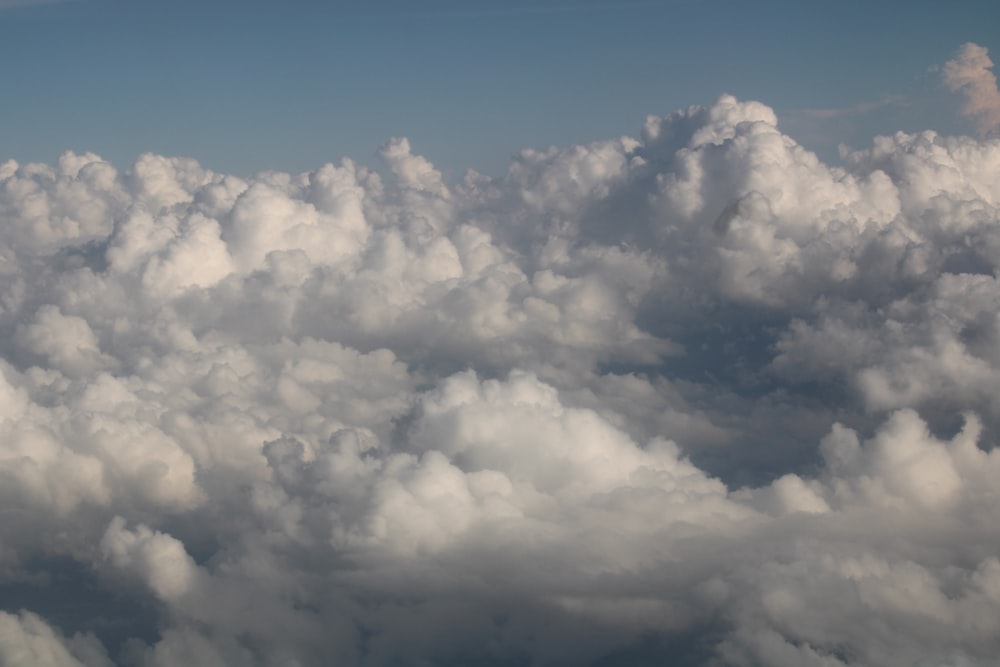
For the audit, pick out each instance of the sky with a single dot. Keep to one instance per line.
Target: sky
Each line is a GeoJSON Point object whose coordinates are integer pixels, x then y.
{"type": "Point", "coordinates": [552, 334]}
{"type": "Point", "coordinates": [254, 85]}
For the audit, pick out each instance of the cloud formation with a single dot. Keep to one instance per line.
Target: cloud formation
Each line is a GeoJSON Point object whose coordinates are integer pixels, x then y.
{"type": "Point", "coordinates": [694, 397]}
{"type": "Point", "coordinates": [969, 72]}
{"type": "Point", "coordinates": [10, 4]}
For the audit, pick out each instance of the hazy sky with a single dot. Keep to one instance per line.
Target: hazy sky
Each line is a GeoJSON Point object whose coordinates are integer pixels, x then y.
{"type": "Point", "coordinates": [250, 85]}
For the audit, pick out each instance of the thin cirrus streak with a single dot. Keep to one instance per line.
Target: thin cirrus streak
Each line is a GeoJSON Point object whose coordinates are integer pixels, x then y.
{"type": "Point", "coordinates": [694, 397]}
{"type": "Point", "coordinates": [10, 4]}
{"type": "Point", "coordinates": [545, 8]}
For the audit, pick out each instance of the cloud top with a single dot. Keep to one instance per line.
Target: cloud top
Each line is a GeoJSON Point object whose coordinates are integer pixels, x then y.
{"type": "Point", "coordinates": [969, 72]}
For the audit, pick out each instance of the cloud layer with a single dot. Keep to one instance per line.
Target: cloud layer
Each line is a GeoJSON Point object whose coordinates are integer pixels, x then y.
{"type": "Point", "coordinates": [693, 397]}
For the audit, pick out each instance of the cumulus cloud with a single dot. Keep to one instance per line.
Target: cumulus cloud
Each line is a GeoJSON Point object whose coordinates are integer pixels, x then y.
{"type": "Point", "coordinates": [27, 640]}
{"type": "Point", "coordinates": [969, 72]}
{"type": "Point", "coordinates": [694, 397]}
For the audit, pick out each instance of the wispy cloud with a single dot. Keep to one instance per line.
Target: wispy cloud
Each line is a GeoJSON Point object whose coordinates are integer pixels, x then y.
{"type": "Point", "coordinates": [540, 9]}
{"type": "Point", "coordinates": [859, 109]}
{"type": "Point", "coordinates": [11, 4]}
{"type": "Point", "coordinates": [825, 128]}
{"type": "Point", "coordinates": [969, 73]}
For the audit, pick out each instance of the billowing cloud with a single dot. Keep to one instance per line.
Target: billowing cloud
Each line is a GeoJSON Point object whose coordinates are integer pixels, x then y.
{"type": "Point", "coordinates": [969, 72]}
{"type": "Point", "coordinates": [694, 397]}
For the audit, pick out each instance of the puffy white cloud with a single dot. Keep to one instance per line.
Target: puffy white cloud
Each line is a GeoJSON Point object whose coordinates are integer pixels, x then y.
{"type": "Point", "coordinates": [28, 641]}
{"type": "Point", "coordinates": [160, 560]}
{"type": "Point", "coordinates": [693, 396]}
{"type": "Point", "coordinates": [66, 342]}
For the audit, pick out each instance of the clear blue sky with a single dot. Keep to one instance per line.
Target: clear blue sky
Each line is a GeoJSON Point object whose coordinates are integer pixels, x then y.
{"type": "Point", "coordinates": [249, 85]}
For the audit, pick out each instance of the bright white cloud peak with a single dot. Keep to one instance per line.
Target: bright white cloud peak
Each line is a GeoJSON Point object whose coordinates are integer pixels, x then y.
{"type": "Point", "coordinates": [692, 398]}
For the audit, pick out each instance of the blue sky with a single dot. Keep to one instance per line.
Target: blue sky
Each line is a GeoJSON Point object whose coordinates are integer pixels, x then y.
{"type": "Point", "coordinates": [246, 86]}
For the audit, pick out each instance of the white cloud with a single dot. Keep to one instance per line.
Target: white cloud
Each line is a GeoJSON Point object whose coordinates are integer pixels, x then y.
{"type": "Point", "coordinates": [692, 396]}
{"type": "Point", "coordinates": [28, 641]}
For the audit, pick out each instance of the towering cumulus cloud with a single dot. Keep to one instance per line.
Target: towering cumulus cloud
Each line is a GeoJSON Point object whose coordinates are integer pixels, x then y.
{"type": "Point", "coordinates": [969, 72]}
{"type": "Point", "coordinates": [692, 398]}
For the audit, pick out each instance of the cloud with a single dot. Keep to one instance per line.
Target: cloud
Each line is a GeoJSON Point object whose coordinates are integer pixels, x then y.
{"type": "Point", "coordinates": [858, 109]}
{"type": "Point", "coordinates": [547, 8]}
{"type": "Point", "coordinates": [694, 397]}
{"type": "Point", "coordinates": [969, 73]}
{"type": "Point", "coordinates": [26, 639]}
{"type": "Point", "coordinates": [10, 4]}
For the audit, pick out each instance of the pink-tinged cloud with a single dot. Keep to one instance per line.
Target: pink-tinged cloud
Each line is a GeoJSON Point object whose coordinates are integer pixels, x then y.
{"type": "Point", "coordinates": [969, 72]}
